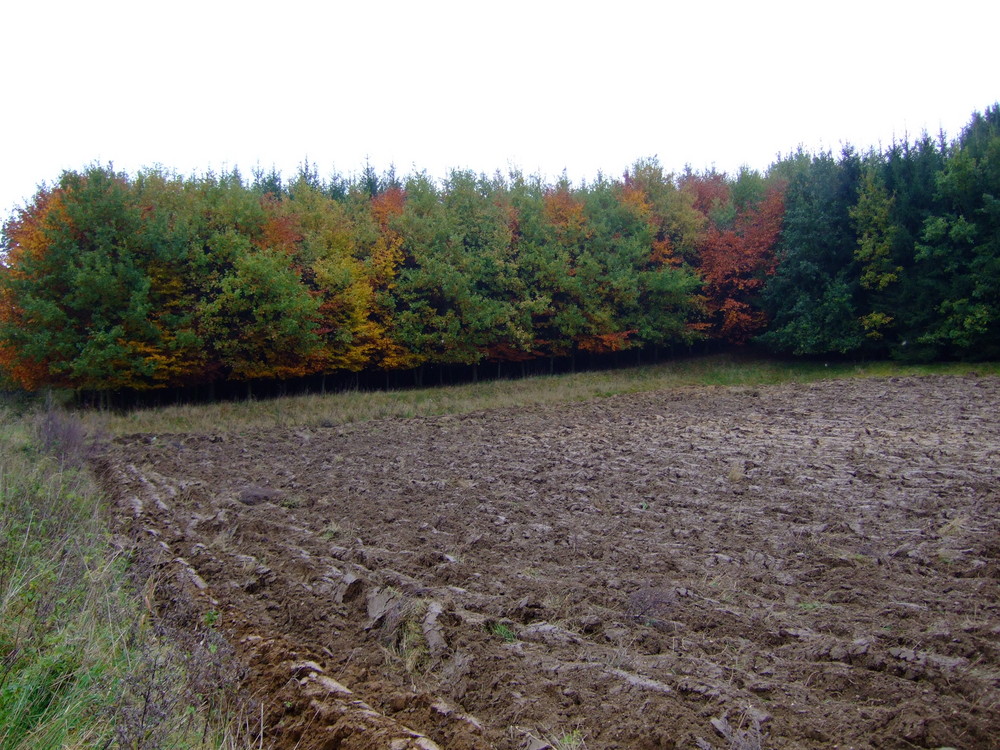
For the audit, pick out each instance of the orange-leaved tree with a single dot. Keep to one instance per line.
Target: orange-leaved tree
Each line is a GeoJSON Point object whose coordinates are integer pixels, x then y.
{"type": "Point", "coordinates": [23, 358]}
{"type": "Point", "coordinates": [735, 261]}
{"type": "Point", "coordinates": [381, 241]}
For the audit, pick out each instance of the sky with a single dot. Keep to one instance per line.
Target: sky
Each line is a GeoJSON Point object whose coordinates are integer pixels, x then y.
{"type": "Point", "coordinates": [544, 86]}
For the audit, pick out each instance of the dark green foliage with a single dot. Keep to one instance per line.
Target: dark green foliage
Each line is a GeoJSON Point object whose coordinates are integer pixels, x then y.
{"type": "Point", "coordinates": [958, 249]}
{"type": "Point", "coordinates": [813, 298]}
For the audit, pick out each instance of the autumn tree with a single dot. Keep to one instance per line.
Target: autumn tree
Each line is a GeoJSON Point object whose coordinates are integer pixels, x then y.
{"type": "Point", "coordinates": [326, 254]}
{"type": "Point", "coordinates": [112, 282]}
{"type": "Point", "coordinates": [737, 253]}
{"type": "Point", "coordinates": [80, 286]}
{"type": "Point", "coordinates": [24, 311]}
{"type": "Point", "coordinates": [872, 217]}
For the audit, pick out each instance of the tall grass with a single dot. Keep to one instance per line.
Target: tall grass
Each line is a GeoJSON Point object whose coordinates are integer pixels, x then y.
{"type": "Point", "coordinates": [354, 406]}
{"type": "Point", "coordinates": [81, 664]}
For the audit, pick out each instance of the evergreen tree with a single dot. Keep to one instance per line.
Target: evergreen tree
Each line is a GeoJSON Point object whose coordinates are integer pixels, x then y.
{"type": "Point", "coordinates": [82, 300]}
{"type": "Point", "coordinates": [874, 228]}
{"type": "Point", "coordinates": [812, 299]}
{"type": "Point", "coordinates": [959, 246]}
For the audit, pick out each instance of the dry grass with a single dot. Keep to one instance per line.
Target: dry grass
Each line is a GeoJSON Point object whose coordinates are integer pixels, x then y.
{"type": "Point", "coordinates": [359, 406]}
{"type": "Point", "coordinates": [746, 736]}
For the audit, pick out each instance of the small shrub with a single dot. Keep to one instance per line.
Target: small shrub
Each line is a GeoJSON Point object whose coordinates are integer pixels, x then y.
{"type": "Point", "coordinates": [62, 435]}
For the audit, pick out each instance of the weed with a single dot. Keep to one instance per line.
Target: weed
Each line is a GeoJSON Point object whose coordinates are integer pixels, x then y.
{"type": "Point", "coordinates": [503, 631]}
{"type": "Point", "coordinates": [290, 502]}
{"type": "Point", "coordinates": [61, 436]}
{"type": "Point", "coordinates": [620, 656]}
{"type": "Point", "coordinates": [412, 646]}
{"type": "Point", "coordinates": [403, 634]}
{"type": "Point", "coordinates": [736, 474]}
{"type": "Point", "coordinates": [334, 531]}
{"type": "Point", "coordinates": [740, 738]}
{"type": "Point", "coordinates": [954, 526]}
{"type": "Point", "coordinates": [859, 559]}
{"type": "Point", "coordinates": [572, 740]}
{"type": "Point", "coordinates": [225, 539]}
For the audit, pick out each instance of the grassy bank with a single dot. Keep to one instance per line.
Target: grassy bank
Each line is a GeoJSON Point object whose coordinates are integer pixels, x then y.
{"type": "Point", "coordinates": [81, 661]}
{"type": "Point", "coordinates": [339, 408]}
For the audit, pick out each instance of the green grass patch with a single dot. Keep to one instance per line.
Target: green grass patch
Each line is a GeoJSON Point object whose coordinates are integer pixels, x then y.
{"type": "Point", "coordinates": [503, 631]}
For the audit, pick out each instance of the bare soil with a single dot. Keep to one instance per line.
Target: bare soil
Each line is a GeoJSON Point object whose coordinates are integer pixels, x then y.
{"type": "Point", "coordinates": [797, 566]}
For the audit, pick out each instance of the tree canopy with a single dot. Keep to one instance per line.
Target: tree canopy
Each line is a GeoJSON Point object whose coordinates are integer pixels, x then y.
{"type": "Point", "coordinates": [113, 281]}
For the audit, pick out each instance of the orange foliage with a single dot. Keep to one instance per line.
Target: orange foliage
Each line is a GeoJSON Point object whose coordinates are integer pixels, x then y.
{"type": "Point", "coordinates": [709, 190]}
{"type": "Point", "coordinates": [566, 214]}
{"type": "Point", "coordinates": [281, 231]}
{"type": "Point", "coordinates": [386, 254]}
{"type": "Point", "coordinates": [633, 196]}
{"type": "Point", "coordinates": [388, 205]}
{"type": "Point", "coordinates": [735, 264]}
{"type": "Point", "coordinates": [26, 230]}
{"type": "Point", "coordinates": [605, 343]}
{"type": "Point", "coordinates": [385, 257]}
{"type": "Point", "coordinates": [663, 253]}
{"type": "Point", "coordinates": [26, 241]}
{"type": "Point", "coordinates": [28, 374]}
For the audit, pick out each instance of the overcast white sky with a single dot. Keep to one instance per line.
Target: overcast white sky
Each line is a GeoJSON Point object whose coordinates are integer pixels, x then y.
{"type": "Point", "coordinates": [543, 85]}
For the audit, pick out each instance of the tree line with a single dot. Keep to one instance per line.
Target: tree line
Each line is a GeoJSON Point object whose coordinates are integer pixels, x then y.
{"type": "Point", "coordinates": [112, 281]}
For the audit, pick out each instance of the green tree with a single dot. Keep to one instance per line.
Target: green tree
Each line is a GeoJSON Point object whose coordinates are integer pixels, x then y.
{"type": "Point", "coordinates": [261, 322]}
{"type": "Point", "coordinates": [959, 246]}
{"type": "Point", "coordinates": [872, 217]}
{"type": "Point", "coordinates": [911, 174]}
{"type": "Point", "coordinates": [812, 299]}
{"type": "Point", "coordinates": [456, 294]}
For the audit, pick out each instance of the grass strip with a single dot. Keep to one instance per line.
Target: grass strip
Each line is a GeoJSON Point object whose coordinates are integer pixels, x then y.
{"type": "Point", "coordinates": [81, 663]}
{"type": "Point", "coordinates": [358, 406]}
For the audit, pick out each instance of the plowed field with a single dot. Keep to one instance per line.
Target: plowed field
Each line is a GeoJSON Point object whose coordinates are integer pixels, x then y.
{"type": "Point", "coordinates": [796, 566]}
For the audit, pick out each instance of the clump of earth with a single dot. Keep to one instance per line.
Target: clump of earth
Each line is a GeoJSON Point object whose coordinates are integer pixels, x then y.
{"type": "Point", "coordinates": [796, 566]}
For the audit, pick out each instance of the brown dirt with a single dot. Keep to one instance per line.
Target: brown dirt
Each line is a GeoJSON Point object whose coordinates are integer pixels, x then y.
{"type": "Point", "coordinates": [797, 566]}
